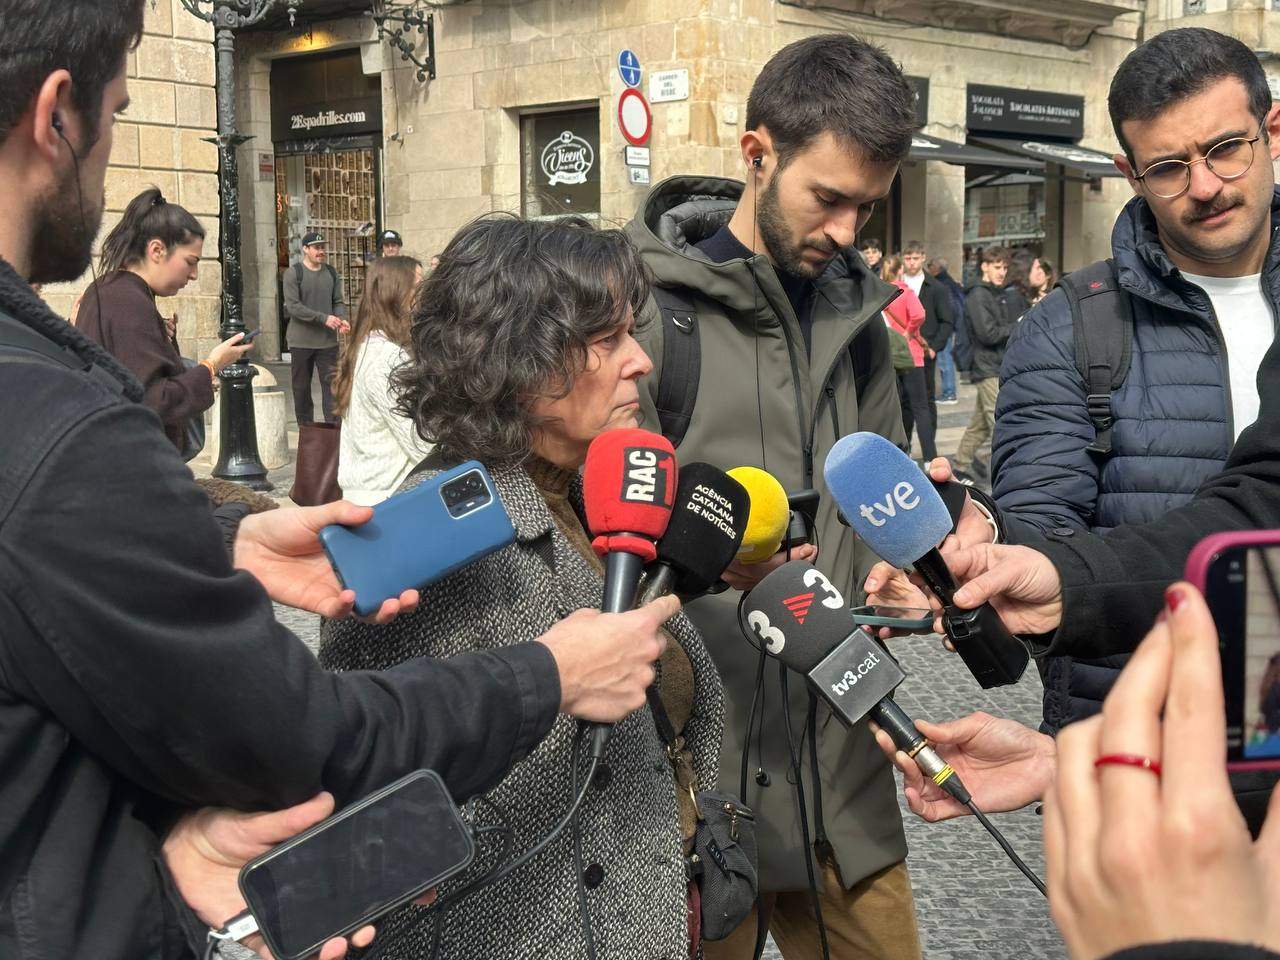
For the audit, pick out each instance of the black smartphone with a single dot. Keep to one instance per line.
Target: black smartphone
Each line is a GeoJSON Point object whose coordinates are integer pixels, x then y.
{"type": "Point", "coordinates": [357, 865]}
{"type": "Point", "coordinates": [250, 336]}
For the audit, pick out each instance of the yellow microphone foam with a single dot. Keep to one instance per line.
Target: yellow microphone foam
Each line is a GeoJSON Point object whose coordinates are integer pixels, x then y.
{"type": "Point", "coordinates": [767, 522]}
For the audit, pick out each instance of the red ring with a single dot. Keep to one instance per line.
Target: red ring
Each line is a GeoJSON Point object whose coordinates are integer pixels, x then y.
{"type": "Point", "coordinates": [1129, 760]}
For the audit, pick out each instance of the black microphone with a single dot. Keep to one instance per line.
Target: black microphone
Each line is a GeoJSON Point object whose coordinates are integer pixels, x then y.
{"type": "Point", "coordinates": [703, 536]}
{"type": "Point", "coordinates": [799, 617]}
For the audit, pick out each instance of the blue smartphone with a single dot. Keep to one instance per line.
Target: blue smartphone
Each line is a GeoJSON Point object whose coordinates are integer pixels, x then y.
{"type": "Point", "coordinates": [419, 536]}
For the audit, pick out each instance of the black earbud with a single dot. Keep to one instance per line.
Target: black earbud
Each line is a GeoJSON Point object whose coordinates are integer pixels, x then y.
{"type": "Point", "coordinates": [57, 123]}
{"type": "Point", "coordinates": [756, 161]}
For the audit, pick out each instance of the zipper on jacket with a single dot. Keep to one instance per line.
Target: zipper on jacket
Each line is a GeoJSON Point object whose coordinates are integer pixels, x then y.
{"type": "Point", "coordinates": [831, 405]}
{"type": "Point", "coordinates": [843, 351]}
{"type": "Point", "coordinates": [806, 436]}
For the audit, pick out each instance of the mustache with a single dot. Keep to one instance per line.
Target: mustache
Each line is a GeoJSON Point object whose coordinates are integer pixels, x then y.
{"type": "Point", "coordinates": [1203, 211]}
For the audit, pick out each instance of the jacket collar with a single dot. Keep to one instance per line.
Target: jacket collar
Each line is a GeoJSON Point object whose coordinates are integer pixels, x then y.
{"type": "Point", "coordinates": [681, 211]}
{"type": "Point", "coordinates": [1145, 270]}
{"type": "Point", "coordinates": [19, 301]}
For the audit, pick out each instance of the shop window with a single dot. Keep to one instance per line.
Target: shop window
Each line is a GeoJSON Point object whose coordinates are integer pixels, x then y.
{"type": "Point", "coordinates": [560, 163]}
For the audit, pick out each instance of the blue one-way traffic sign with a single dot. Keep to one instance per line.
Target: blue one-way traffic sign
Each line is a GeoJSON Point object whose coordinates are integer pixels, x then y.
{"type": "Point", "coordinates": [629, 68]}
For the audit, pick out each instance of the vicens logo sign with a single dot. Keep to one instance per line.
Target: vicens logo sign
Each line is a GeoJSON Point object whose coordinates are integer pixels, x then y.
{"type": "Point", "coordinates": [852, 676]}
{"type": "Point", "coordinates": [903, 496]}
{"type": "Point", "coordinates": [567, 160]}
{"type": "Point", "coordinates": [645, 476]}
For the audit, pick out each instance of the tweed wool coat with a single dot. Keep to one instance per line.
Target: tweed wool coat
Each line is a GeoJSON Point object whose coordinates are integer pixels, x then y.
{"type": "Point", "coordinates": [631, 839]}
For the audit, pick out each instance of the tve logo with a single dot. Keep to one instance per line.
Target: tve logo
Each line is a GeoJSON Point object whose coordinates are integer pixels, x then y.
{"type": "Point", "coordinates": [645, 476]}
{"type": "Point", "coordinates": [903, 496]}
{"type": "Point", "coordinates": [851, 677]}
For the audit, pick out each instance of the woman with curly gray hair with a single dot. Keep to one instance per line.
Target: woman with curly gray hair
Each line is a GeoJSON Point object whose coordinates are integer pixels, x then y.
{"type": "Point", "coordinates": [521, 354]}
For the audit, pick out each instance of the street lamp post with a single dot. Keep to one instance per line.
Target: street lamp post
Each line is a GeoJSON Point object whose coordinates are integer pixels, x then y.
{"type": "Point", "coordinates": [237, 432]}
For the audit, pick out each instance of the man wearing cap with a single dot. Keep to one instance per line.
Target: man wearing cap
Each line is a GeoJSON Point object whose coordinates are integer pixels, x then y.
{"type": "Point", "coordinates": [390, 244]}
{"type": "Point", "coordinates": [317, 314]}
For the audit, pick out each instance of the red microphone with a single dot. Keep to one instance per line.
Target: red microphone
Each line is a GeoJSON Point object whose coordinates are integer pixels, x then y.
{"type": "Point", "coordinates": [628, 489]}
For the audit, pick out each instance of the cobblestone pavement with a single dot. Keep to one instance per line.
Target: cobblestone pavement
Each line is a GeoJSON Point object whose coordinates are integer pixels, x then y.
{"type": "Point", "coordinates": [971, 902]}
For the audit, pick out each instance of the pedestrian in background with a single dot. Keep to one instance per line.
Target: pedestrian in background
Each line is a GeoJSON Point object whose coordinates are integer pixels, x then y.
{"type": "Point", "coordinates": [905, 317]}
{"type": "Point", "coordinates": [1041, 280]}
{"type": "Point", "coordinates": [871, 252]}
{"type": "Point", "coordinates": [938, 320]}
{"type": "Point", "coordinates": [938, 269]}
{"type": "Point", "coordinates": [390, 244]}
{"type": "Point", "coordinates": [990, 321]}
{"type": "Point", "coordinates": [317, 314]}
{"type": "Point", "coordinates": [379, 446]}
{"type": "Point", "coordinates": [154, 251]}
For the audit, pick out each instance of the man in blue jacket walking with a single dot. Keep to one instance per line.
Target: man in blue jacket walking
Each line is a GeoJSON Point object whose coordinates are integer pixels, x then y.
{"type": "Point", "coordinates": [1195, 257]}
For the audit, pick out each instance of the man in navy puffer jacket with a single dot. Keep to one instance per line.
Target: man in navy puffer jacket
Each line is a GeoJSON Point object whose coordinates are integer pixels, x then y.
{"type": "Point", "coordinates": [1202, 302]}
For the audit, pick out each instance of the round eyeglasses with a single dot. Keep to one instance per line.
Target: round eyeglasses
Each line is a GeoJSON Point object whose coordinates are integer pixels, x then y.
{"type": "Point", "coordinates": [1229, 160]}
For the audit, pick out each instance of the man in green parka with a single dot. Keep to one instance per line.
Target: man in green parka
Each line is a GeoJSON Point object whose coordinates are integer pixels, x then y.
{"type": "Point", "coordinates": [785, 318]}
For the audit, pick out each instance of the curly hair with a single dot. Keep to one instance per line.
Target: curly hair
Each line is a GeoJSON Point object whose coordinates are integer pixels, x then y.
{"type": "Point", "coordinates": [506, 319]}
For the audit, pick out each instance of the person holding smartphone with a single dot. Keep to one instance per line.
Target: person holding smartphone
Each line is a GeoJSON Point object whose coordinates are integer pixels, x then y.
{"type": "Point", "coordinates": [142, 671]}
{"type": "Point", "coordinates": [154, 251]}
{"type": "Point", "coordinates": [1147, 854]}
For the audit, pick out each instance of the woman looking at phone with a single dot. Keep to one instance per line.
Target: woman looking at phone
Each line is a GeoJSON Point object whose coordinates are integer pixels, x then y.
{"type": "Point", "coordinates": [379, 445]}
{"type": "Point", "coordinates": [154, 251]}
{"type": "Point", "coordinates": [521, 354]}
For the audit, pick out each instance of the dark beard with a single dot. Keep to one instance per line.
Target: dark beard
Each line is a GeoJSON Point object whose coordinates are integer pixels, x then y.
{"type": "Point", "coordinates": [62, 234]}
{"type": "Point", "coordinates": [776, 237]}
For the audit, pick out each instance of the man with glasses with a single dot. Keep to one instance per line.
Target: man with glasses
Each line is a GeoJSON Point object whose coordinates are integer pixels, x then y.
{"type": "Point", "coordinates": [1194, 257]}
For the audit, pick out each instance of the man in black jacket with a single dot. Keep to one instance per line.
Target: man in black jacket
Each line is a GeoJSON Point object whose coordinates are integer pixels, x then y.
{"type": "Point", "coordinates": [141, 670]}
{"type": "Point", "coordinates": [938, 320]}
{"type": "Point", "coordinates": [990, 323]}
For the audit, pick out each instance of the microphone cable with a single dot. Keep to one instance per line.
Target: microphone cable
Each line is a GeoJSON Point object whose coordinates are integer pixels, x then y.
{"type": "Point", "coordinates": [946, 777]}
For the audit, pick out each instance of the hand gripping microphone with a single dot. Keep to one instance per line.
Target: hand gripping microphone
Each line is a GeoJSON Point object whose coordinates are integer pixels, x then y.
{"type": "Point", "coordinates": [628, 489]}
{"type": "Point", "coordinates": [897, 512]}
{"type": "Point", "coordinates": [770, 514]}
{"type": "Point", "coordinates": [798, 617]}
{"type": "Point", "coordinates": [704, 534]}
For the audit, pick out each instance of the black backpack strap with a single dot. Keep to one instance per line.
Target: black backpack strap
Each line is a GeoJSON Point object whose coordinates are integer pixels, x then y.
{"type": "Point", "coordinates": [681, 362]}
{"type": "Point", "coordinates": [1102, 327]}
{"type": "Point", "coordinates": [297, 273]}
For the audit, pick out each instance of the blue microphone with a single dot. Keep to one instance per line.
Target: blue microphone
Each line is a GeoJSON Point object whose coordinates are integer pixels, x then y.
{"type": "Point", "coordinates": [895, 510]}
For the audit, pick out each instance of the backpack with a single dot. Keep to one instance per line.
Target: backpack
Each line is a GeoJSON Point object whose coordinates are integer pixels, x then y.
{"type": "Point", "coordinates": [1102, 328]}
{"type": "Point", "coordinates": [297, 272]}
{"type": "Point", "coordinates": [682, 362]}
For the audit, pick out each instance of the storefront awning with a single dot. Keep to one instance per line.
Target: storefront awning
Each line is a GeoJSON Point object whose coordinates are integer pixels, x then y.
{"type": "Point", "coordinates": [925, 147]}
{"type": "Point", "coordinates": [1090, 163]}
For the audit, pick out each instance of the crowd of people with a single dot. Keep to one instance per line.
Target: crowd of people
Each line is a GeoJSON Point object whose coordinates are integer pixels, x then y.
{"type": "Point", "coordinates": [161, 726]}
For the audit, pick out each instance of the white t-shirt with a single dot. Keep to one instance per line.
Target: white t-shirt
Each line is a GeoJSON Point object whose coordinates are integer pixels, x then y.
{"type": "Point", "coordinates": [915, 283]}
{"type": "Point", "coordinates": [1244, 316]}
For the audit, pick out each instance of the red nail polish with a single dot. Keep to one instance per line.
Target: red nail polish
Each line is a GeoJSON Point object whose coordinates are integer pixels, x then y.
{"type": "Point", "coordinates": [1173, 597]}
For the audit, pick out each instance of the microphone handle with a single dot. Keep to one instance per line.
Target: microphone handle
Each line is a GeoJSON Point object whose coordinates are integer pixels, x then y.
{"type": "Point", "coordinates": [935, 572]}
{"type": "Point", "coordinates": [621, 577]}
{"type": "Point", "coordinates": [993, 655]}
{"type": "Point", "coordinates": [902, 731]}
{"type": "Point", "coordinates": [660, 582]}
{"type": "Point", "coordinates": [622, 572]}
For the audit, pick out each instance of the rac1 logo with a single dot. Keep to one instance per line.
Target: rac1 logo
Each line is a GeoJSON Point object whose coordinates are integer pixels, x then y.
{"type": "Point", "coordinates": [851, 677]}
{"type": "Point", "coordinates": [644, 478]}
{"type": "Point", "coordinates": [902, 496]}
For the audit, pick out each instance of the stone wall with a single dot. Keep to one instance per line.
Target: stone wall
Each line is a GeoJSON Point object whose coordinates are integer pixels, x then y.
{"type": "Point", "coordinates": [158, 141]}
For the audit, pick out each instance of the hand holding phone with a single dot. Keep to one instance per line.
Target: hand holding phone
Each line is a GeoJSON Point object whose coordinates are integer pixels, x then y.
{"type": "Point", "coordinates": [419, 536]}
{"type": "Point", "coordinates": [206, 849]}
{"type": "Point", "coordinates": [356, 866]}
{"type": "Point", "coordinates": [251, 336]}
